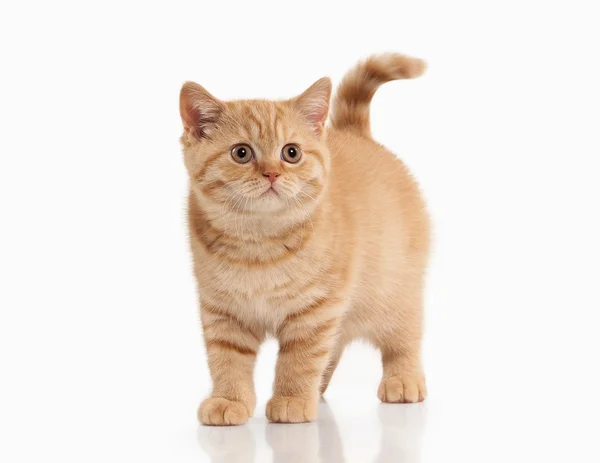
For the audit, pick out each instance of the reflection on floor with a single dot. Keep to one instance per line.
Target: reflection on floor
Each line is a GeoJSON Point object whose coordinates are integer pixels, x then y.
{"type": "Point", "coordinates": [400, 429]}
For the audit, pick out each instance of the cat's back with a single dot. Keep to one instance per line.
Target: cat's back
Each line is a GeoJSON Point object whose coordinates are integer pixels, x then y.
{"type": "Point", "coordinates": [362, 168]}
{"type": "Point", "coordinates": [376, 188]}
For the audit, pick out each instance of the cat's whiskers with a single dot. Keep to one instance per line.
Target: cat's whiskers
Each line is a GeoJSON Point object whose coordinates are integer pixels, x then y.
{"type": "Point", "coordinates": [309, 214]}
{"type": "Point", "coordinates": [248, 198]}
{"type": "Point", "coordinates": [302, 192]}
{"type": "Point", "coordinates": [225, 209]}
{"type": "Point", "coordinates": [233, 214]}
{"type": "Point", "coordinates": [238, 211]}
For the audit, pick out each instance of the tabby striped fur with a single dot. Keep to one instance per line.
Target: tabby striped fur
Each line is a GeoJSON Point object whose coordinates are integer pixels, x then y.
{"type": "Point", "coordinates": [337, 252]}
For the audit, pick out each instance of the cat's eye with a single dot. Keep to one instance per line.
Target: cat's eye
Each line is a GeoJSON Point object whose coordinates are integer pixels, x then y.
{"type": "Point", "coordinates": [242, 154]}
{"type": "Point", "coordinates": [291, 153]}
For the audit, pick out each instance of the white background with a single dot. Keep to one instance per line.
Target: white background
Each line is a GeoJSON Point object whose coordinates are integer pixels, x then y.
{"type": "Point", "coordinates": [101, 355]}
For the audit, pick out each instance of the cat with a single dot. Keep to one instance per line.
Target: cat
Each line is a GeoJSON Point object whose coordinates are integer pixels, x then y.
{"type": "Point", "coordinates": [314, 235]}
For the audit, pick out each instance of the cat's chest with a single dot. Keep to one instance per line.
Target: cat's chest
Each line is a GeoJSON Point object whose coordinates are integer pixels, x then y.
{"type": "Point", "coordinates": [255, 269]}
{"type": "Point", "coordinates": [264, 294]}
{"type": "Point", "coordinates": [259, 282]}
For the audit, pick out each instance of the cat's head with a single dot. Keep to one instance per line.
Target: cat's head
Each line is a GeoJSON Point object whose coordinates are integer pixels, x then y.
{"type": "Point", "coordinates": [256, 155]}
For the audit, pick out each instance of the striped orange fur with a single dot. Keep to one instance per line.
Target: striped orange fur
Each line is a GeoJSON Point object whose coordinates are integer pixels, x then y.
{"type": "Point", "coordinates": [316, 246]}
{"type": "Point", "coordinates": [351, 104]}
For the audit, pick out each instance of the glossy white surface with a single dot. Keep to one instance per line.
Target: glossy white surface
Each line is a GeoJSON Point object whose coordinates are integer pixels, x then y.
{"type": "Point", "coordinates": [101, 356]}
{"type": "Point", "coordinates": [385, 434]}
{"type": "Point", "coordinates": [482, 415]}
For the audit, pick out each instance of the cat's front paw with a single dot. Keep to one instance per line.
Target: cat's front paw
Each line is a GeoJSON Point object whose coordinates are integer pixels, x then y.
{"type": "Point", "coordinates": [217, 411]}
{"type": "Point", "coordinates": [282, 409]}
{"type": "Point", "coordinates": [402, 389]}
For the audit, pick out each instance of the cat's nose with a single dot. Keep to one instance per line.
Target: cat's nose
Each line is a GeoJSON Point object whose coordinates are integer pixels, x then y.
{"type": "Point", "coordinates": [272, 176]}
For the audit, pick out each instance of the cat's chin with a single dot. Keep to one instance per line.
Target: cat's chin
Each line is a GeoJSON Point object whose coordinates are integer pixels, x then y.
{"type": "Point", "coordinates": [270, 201]}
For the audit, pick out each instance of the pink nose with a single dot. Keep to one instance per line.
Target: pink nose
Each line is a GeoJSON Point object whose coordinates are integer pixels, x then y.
{"type": "Point", "coordinates": [272, 176]}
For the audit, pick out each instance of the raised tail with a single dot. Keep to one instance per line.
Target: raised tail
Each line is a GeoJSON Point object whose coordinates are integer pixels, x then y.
{"type": "Point", "coordinates": [350, 109]}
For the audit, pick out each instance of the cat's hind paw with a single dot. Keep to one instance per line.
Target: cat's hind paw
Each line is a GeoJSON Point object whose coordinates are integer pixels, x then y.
{"type": "Point", "coordinates": [402, 389]}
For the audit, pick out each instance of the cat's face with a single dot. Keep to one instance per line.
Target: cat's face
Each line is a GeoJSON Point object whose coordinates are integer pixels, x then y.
{"type": "Point", "coordinates": [256, 156]}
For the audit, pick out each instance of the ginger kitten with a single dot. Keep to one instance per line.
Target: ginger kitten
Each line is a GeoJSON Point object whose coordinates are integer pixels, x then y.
{"type": "Point", "coordinates": [314, 235]}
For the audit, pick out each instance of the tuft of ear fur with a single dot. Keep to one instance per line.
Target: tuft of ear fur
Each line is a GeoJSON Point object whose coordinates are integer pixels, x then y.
{"type": "Point", "coordinates": [313, 104]}
{"type": "Point", "coordinates": [200, 111]}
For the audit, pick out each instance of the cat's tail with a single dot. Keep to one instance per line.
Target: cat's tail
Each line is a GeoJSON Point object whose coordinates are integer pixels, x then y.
{"type": "Point", "coordinates": [350, 109]}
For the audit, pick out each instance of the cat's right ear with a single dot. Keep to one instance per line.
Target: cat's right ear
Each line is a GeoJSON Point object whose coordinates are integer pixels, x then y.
{"type": "Point", "coordinates": [200, 111]}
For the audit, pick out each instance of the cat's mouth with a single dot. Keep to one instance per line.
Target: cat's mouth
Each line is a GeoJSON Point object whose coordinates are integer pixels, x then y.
{"type": "Point", "coordinates": [269, 192]}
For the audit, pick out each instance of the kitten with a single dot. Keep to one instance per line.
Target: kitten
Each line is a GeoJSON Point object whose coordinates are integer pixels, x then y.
{"type": "Point", "coordinates": [317, 236]}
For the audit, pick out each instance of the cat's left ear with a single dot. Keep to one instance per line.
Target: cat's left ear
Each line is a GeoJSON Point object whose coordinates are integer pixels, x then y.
{"type": "Point", "coordinates": [313, 104]}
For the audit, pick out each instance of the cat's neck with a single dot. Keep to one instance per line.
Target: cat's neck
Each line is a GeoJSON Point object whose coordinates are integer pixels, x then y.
{"type": "Point", "coordinates": [257, 226]}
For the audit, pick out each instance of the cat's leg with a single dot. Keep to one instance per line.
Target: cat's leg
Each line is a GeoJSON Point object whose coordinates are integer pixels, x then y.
{"type": "Point", "coordinates": [331, 366]}
{"type": "Point", "coordinates": [231, 349]}
{"type": "Point", "coordinates": [306, 341]}
{"type": "Point", "coordinates": [403, 379]}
